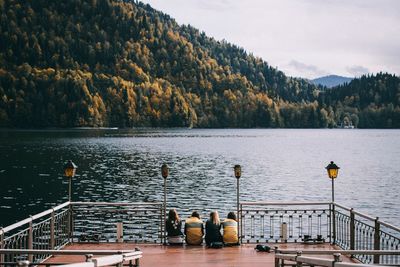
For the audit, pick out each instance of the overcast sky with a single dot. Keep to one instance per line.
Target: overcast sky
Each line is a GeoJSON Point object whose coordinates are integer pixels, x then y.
{"type": "Point", "coordinates": [305, 38]}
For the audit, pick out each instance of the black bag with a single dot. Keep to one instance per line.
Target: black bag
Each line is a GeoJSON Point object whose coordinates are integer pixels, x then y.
{"type": "Point", "coordinates": [216, 245]}
{"type": "Point", "coordinates": [263, 248]}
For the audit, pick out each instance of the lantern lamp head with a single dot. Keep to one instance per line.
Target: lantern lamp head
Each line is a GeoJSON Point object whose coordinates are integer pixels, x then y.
{"type": "Point", "coordinates": [164, 171]}
{"type": "Point", "coordinates": [333, 170]}
{"type": "Point", "coordinates": [70, 169]}
{"type": "Point", "coordinates": [238, 171]}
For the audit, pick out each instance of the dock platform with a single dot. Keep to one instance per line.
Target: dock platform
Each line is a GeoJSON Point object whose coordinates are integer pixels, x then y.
{"type": "Point", "coordinates": [159, 255]}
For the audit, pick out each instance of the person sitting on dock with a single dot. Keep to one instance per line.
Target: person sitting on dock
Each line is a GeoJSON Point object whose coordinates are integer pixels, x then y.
{"type": "Point", "coordinates": [194, 230]}
{"type": "Point", "coordinates": [173, 226]}
{"type": "Point", "coordinates": [230, 227]}
{"type": "Point", "coordinates": [213, 230]}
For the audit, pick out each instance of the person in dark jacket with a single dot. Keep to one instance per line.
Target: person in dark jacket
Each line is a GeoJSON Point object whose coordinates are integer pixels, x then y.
{"type": "Point", "coordinates": [213, 229]}
{"type": "Point", "coordinates": [173, 226]}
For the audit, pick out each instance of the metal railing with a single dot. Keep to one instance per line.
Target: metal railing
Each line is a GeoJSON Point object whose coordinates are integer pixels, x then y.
{"type": "Point", "coordinates": [115, 257]}
{"type": "Point", "coordinates": [259, 222]}
{"type": "Point", "coordinates": [282, 260]}
{"type": "Point", "coordinates": [81, 222]}
{"type": "Point", "coordinates": [357, 231]}
{"type": "Point", "coordinates": [117, 222]}
{"type": "Point", "coordinates": [319, 222]}
{"type": "Point", "coordinates": [46, 230]}
{"type": "Point", "coordinates": [284, 222]}
{"type": "Point", "coordinates": [292, 257]}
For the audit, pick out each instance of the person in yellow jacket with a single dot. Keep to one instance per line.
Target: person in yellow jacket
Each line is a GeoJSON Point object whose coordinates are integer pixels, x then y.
{"type": "Point", "coordinates": [230, 227]}
{"type": "Point", "coordinates": [194, 229]}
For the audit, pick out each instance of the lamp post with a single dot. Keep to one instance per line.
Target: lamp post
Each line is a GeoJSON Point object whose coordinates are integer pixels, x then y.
{"type": "Point", "coordinates": [164, 173]}
{"type": "Point", "coordinates": [333, 170]}
{"type": "Point", "coordinates": [69, 172]}
{"type": "Point", "coordinates": [238, 172]}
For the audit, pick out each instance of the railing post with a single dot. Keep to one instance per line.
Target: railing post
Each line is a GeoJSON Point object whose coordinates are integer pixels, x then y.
{"type": "Point", "coordinates": [333, 223]}
{"type": "Point", "coordinates": [298, 254]}
{"type": "Point", "coordinates": [241, 225]}
{"type": "Point", "coordinates": [377, 240]}
{"type": "Point", "coordinates": [162, 223]}
{"type": "Point", "coordinates": [337, 258]}
{"type": "Point", "coordinates": [52, 240]}
{"type": "Point", "coordinates": [352, 230]}
{"type": "Point", "coordinates": [164, 211]}
{"type": "Point", "coordinates": [30, 239]}
{"type": "Point", "coordinates": [238, 208]}
{"type": "Point", "coordinates": [120, 264]}
{"type": "Point", "coordinates": [1, 243]}
{"type": "Point", "coordinates": [70, 223]}
{"type": "Point", "coordinates": [330, 223]}
{"type": "Point", "coordinates": [276, 262]}
{"type": "Point", "coordinates": [89, 257]}
{"type": "Point", "coordinates": [137, 260]}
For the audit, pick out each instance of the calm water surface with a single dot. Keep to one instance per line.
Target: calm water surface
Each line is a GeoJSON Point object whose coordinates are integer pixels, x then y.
{"type": "Point", "coordinates": [124, 165]}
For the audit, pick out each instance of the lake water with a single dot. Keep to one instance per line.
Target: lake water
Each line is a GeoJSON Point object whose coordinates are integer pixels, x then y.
{"type": "Point", "coordinates": [124, 165]}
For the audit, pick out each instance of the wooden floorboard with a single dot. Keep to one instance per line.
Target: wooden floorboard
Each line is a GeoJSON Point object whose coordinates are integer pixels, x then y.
{"type": "Point", "coordinates": [159, 255]}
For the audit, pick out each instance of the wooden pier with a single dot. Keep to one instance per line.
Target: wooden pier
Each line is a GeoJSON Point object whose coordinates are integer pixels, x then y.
{"type": "Point", "coordinates": [159, 255]}
{"type": "Point", "coordinates": [82, 228]}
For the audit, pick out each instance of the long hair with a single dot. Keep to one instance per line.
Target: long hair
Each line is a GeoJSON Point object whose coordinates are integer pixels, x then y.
{"type": "Point", "coordinates": [173, 215]}
{"type": "Point", "coordinates": [214, 217]}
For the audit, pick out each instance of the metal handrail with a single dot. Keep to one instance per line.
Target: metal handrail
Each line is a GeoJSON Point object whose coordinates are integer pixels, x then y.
{"type": "Point", "coordinates": [141, 220]}
{"type": "Point", "coordinates": [116, 203]}
{"type": "Point", "coordinates": [32, 218]}
{"type": "Point", "coordinates": [365, 216]}
{"type": "Point", "coordinates": [341, 206]}
{"type": "Point", "coordinates": [348, 264]}
{"type": "Point", "coordinates": [313, 261]}
{"type": "Point", "coordinates": [285, 203]}
{"type": "Point", "coordinates": [114, 259]}
{"type": "Point", "coordinates": [391, 226]}
{"type": "Point", "coordinates": [108, 260]}
{"type": "Point", "coordinates": [63, 252]}
{"type": "Point", "coordinates": [345, 252]}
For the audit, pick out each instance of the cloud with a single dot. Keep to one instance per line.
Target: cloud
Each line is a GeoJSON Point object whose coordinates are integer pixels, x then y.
{"type": "Point", "coordinates": [330, 36]}
{"type": "Point", "coordinates": [305, 70]}
{"type": "Point", "coordinates": [216, 5]}
{"type": "Point", "coordinates": [357, 71]}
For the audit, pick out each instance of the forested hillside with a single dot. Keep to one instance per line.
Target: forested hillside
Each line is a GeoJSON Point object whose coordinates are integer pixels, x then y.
{"type": "Point", "coordinates": [121, 63]}
{"type": "Point", "coordinates": [369, 102]}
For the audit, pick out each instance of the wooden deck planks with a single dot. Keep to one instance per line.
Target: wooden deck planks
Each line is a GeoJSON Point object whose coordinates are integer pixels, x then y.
{"type": "Point", "coordinates": [158, 255]}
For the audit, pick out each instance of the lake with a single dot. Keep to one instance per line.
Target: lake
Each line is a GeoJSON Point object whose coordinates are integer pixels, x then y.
{"type": "Point", "coordinates": [124, 165]}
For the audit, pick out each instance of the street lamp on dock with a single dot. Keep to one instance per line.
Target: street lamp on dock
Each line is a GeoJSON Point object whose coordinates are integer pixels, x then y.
{"type": "Point", "coordinates": [333, 171]}
{"type": "Point", "coordinates": [164, 173]}
{"type": "Point", "coordinates": [238, 172]}
{"type": "Point", "coordinates": [69, 172]}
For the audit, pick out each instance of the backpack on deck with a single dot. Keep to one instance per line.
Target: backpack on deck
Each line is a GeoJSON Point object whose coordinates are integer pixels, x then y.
{"type": "Point", "coordinates": [263, 248]}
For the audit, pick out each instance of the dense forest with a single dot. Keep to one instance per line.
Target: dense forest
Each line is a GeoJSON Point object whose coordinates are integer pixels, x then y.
{"type": "Point", "coordinates": [123, 64]}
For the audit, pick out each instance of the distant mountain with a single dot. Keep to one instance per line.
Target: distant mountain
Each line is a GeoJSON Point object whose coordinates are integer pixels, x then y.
{"type": "Point", "coordinates": [331, 80]}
